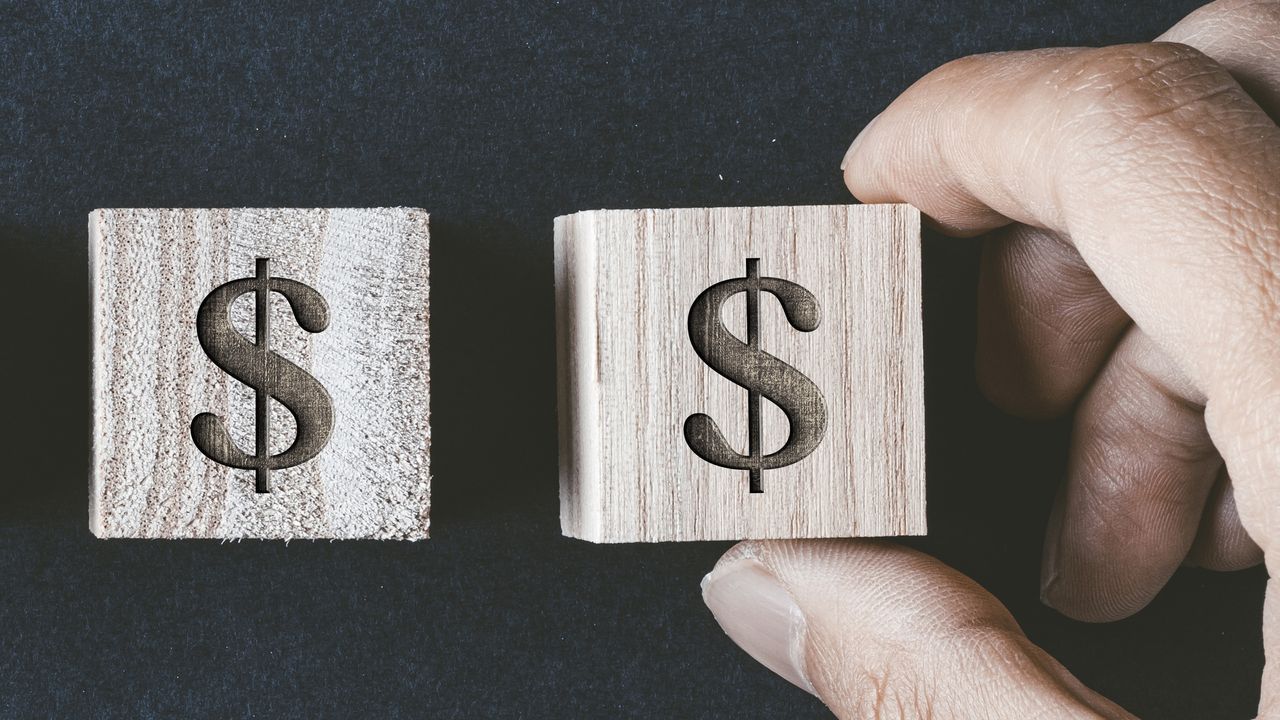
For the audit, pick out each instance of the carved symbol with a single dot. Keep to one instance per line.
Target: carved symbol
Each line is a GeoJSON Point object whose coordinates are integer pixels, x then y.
{"type": "Point", "coordinates": [762, 374]}
{"type": "Point", "coordinates": [270, 375]}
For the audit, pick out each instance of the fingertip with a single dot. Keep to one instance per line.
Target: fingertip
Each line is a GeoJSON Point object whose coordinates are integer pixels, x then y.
{"type": "Point", "coordinates": [853, 147]}
{"type": "Point", "coordinates": [886, 164]}
{"type": "Point", "coordinates": [858, 173]}
{"type": "Point", "coordinates": [759, 614]}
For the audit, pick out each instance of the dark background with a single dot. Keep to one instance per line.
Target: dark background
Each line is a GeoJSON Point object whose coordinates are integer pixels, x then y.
{"type": "Point", "coordinates": [496, 118]}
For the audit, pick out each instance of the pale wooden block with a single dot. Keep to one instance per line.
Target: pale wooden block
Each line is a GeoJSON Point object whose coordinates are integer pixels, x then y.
{"type": "Point", "coordinates": [361, 382]}
{"type": "Point", "coordinates": [627, 283]}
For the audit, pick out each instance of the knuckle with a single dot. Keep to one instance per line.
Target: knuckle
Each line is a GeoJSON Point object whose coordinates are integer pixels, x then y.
{"type": "Point", "coordinates": [1130, 85]}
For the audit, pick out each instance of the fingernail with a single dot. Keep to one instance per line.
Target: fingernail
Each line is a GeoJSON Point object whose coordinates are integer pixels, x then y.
{"type": "Point", "coordinates": [854, 146]}
{"type": "Point", "coordinates": [758, 614]}
{"type": "Point", "coordinates": [1049, 562]}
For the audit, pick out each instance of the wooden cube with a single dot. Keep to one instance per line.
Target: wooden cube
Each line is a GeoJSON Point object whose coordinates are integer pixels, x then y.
{"type": "Point", "coordinates": [732, 373]}
{"type": "Point", "coordinates": [260, 373]}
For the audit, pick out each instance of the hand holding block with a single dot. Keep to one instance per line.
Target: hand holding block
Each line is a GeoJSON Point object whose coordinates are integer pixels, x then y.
{"type": "Point", "coordinates": [735, 373]}
{"type": "Point", "coordinates": [260, 373]}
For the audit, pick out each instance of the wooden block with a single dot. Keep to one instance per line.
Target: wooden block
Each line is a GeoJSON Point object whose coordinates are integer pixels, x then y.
{"type": "Point", "coordinates": [734, 373]}
{"type": "Point", "coordinates": [260, 373]}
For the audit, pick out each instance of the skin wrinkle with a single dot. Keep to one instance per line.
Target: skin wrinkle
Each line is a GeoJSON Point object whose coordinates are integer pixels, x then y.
{"type": "Point", "coordinates": [1112, 448]}
{"type": "Point", "coordinates": [1067, 684]}
{"type": "Point", "coordinates": [1137, 75]}
{"type": "Point", "coordinates": [1110, 527]}
{"type": "Point", "coordinates": [949, 170]}
{"type": "Point", "coordinates": [1180, 398]}
{"type": "Point", "coordinates": [1054, 262]}
{"type": "Point", "coordinates": [1115, 522]}
{"type": "Point", "coordinates": [1075, 332]}
{"type": "Point", "coordinates": [1222, 29]}
{"type": "Point", "coordinates": [1226, 88]}
{"type": "Point", "coordinates": [1077, 280]}
{"type": "Point", "coordinates": [1004, 653]}
{"type": "Point", "coordinates": [1043, 310]}
{"type": "Point", "coordinates": [1266, 260]}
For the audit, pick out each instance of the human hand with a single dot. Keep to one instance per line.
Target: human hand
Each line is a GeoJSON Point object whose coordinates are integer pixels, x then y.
{"type": "Point", "coordinates": [1133, 273]}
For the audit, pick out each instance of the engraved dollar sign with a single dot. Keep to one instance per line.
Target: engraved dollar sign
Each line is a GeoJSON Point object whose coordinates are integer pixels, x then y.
{"type": "Point", "coordinates": [762, 374]}
{"type": "Point", "coordinates": [270, 375]}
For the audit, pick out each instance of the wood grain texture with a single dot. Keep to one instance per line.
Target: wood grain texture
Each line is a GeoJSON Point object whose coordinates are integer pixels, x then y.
{"type": "Point", "coordinates": [150, 270]}
{"type": "Point", "coordinates": [629, 375]}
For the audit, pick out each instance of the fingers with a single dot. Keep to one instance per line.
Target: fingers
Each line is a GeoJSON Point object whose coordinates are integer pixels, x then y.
{"type": "Point", "coordinates": [1045, 323]}
{"type": "Point", "coordinates": [1160, 169]}
{"type": "Point", "coordinates": [880, 631]}
{"type": "Point", "coordinates": [1150, 158]}
{"type": "Point", "coordinates": [1222, 543]}
{"type": "Point", "coordinates": [1139, 470]}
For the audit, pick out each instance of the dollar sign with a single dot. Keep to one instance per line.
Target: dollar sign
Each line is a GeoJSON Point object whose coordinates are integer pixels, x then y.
{"type": "Point", "coordinates": [269, 374]}
{"type": "Point", "coordinates": [762, 374]}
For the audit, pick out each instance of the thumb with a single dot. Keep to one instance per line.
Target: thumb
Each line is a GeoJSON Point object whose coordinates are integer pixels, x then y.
{"type": "Point", "coordinates": [880, 631]}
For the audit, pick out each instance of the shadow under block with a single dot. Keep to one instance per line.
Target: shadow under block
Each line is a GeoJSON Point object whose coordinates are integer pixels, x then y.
{"type": "Point", "coordinates": [655, 311]}
{"type": "Point", "coordinates": [185, 397]}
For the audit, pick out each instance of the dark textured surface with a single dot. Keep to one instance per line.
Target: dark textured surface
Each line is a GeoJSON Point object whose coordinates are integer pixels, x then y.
{"type": "Point", "coordinates": [496, 118]}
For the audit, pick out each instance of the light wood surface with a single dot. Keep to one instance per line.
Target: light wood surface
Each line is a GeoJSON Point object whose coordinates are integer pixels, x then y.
{"type": "Point", "coordinates": [630, 376]}
{"type": "Point", "coordinates": [151, 269]}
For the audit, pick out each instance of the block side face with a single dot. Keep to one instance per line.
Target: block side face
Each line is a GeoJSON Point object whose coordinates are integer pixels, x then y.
{"type": "Point", "coordinates": [370, 479]}
{"type": "Point", "coordinates": [577, 376]}
{"type": "Point", "coordinates": [913, 409]}
{"type": "Point", "coordinates": [863, 477]}
{"type": "Point", "coordinates": [570, 517]}
{"type": "Point", "coordinates": [634, 505]}
{"type": "Point", "coordinates": [420, 227]}
{"type": "Point", "coordinates": [96, 219]}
